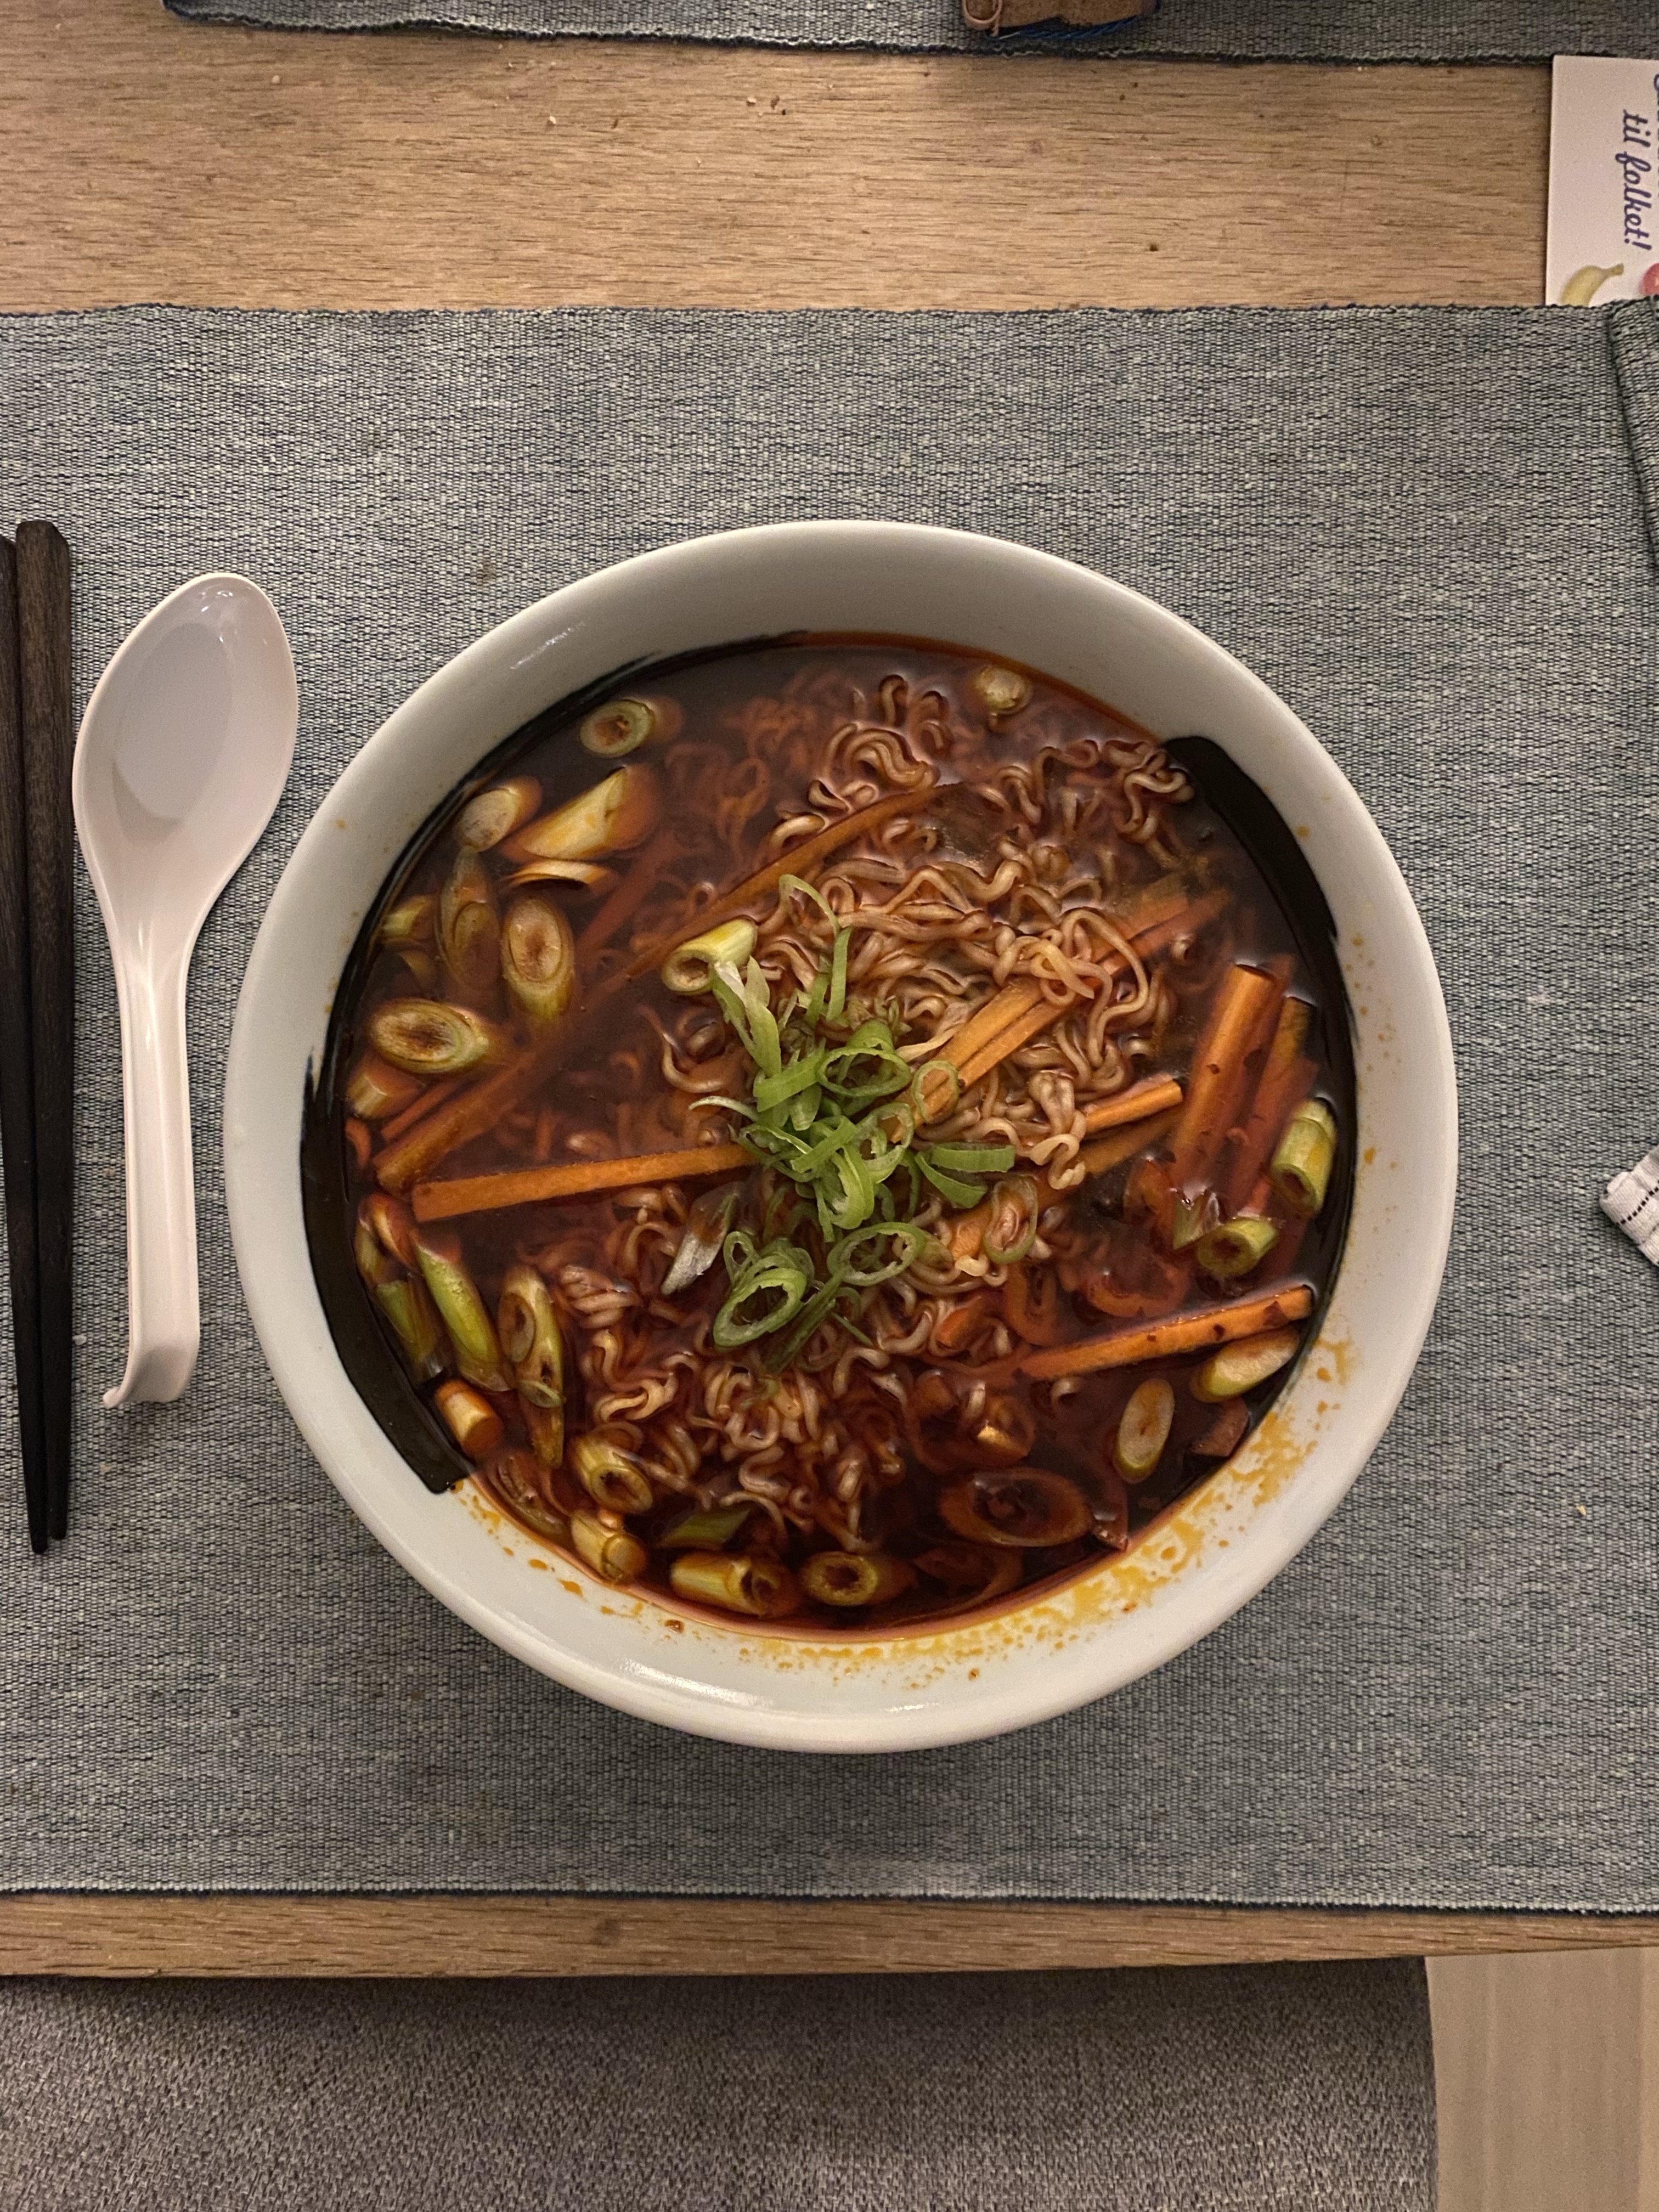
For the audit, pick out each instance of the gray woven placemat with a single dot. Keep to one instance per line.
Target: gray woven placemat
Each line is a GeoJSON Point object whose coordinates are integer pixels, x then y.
{"type": "Point", "coordinates": [1243, 2089]}
{"type": "Point", "coordinates": [1424, 528]}
{"type": "Point", "coordinates": [1236, 30]}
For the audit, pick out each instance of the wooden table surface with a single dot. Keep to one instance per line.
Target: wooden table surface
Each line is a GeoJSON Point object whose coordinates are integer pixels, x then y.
{"type": "Point", "coordinates": [145, 160]}
{"type": "Point", "coordinates": [148, 160]}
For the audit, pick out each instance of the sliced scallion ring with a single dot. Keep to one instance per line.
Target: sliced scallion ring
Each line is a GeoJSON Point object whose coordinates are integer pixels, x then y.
{"type": "Point", "coordinates": [1011, 1229]}
{"type": "Point", "coordinates": [868, 1066]}
{"type": "Point", "coordinates": [924, 1087]}
{"type": "Point", "coordinates": [768, 1289]}
{"type": "Point", "coordinates": [845, 1261]}
{"type": "Point", "coordinates": [973, 1159]}
{"type": "Point", "coordinates": [949, 1186]}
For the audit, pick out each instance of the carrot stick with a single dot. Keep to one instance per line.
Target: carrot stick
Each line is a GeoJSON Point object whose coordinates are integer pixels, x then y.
{"type": "Point", "coordinates": [1111, 1151]}
{"type": "Point", "coordinates": [628, 896]}
{"type": "Point", "coordinates": [1246, 1002]}
{"type": "Point", "coordinates": [1015, 999]}
{"type": "Point", "coordinates": [1154, 1096]}
{"type": "Point", "coordinates": [965, 1232]}
{"type": "Point", "coordinates": [1023, 1028]}
{"type": "Point", "coordinates": [466, 1114]}
{"type": "Point", "coordinates": [1187, 1332]}
{"type": "Point", "coordinates": [1155, 937]}
{"type": "Point", "coordinates": [795, 862]}
{"type": "Point", "coordinates": [1286, 1076]}
{"type": "Point", "coordinates": [489, 1194]}
{"type": "Point", "coordinates": [1149, 904]}
{"type": "Point", "coordinates": [430, 1098]}
{"type": "Point", "coordinates": [998, 1011]}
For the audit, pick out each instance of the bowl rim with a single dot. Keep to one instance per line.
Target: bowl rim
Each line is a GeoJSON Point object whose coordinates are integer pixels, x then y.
{"type": "Point", "coordinates": [1210, 1599]}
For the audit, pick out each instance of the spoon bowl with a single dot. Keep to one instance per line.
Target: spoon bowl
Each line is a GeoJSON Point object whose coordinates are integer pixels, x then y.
{"type": "Point", "coordinates": [182, 753]}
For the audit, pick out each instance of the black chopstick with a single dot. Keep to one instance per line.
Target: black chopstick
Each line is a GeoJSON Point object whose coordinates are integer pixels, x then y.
{"type": "Point", "coordinates": [17, 1065]}
{"type": "Point", "coordinates": [44, 622]}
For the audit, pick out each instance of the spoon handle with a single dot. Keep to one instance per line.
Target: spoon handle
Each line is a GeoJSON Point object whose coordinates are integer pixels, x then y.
{"type": "Point", "coordinates": [164, 1316]}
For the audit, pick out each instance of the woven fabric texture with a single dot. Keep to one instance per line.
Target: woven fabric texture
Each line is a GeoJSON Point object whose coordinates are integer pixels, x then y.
{"type": "Point", "coordinates": [1237, 30]}
{"type": "Point", "coordinates": [1425, 529]}
{"type": "Point", "coordinates": [1274, 2089]}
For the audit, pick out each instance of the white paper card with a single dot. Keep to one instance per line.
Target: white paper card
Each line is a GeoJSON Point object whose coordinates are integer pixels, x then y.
{"type": "Point", "coordinates": [1604, 131]}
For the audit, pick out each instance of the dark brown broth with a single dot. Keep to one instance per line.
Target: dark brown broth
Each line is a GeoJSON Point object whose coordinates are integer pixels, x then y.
{"type": "Point", "coordinates": [606, 1068]}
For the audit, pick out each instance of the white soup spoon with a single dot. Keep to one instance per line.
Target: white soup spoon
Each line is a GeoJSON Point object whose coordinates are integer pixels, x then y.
{"type": "Point", "coordinates": [182, 756]}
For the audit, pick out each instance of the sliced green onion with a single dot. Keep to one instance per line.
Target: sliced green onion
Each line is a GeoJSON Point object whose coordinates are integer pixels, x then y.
{"type": "Point", "coordinates": [463, 1313]}
{"type": "Point", "coordinates": [838, 1121]}
{"type": "Point", "coordinates": [1011, 1229]}
{"type": "Point", "coordinates": [726, 984]}
{"type": "Point", "coordinates": [838, 975]}
{"type": "Point", "coordinates": [409, 922]}
{"type": "Point", "coordinates": [623, 726]}
{"type": "Point", "coordinates": [802, 1074]}
{"type": "Point", "coordinates": [705, 1225]}
{"type": "Point", "coordinates": [430, 1037]}
{"type": "Point", "coordinates": [607, 1548]}
{"type": "Point", "coordinates": [732, 1105]}
{"type": "Point", "coordinates": [843, 1578]}
{"type": "Point", "coordinates": [920, 1083]}
{"type": "Point", "coordinates": [1143, 1428]}
{"type": "Point", "coordinates": [763, 1022]}
{"type": "Point", "coordinates": [705, 1527]}
{"type": "Point", "coordinates": [768, 1288]}
{"type": "Point", "coordinates": [690, 967]}
{"type": "Point", "coordinates": [868, 1066]}
{"type": "Point", "coordinates": [838, 1132]}
{"type": "Point", "coordinates": [608, 1474]}
{"type": "Point", "coordinates": [972, 1159]}
{"type": "Point", "coordinates": [1194, 1219]}
{"type": "Point", "coordinates": [1000, 691]}
{"type": "Point", "coordinates": [800, 884]}
{"type": "Point", "coordinates": [747, 1005]}
{"type": "Point", "coordinates": [1234, 1247]}
{"type": "Point", "coordinates": [407, 1307]}
{"type": "Point", "coordinates": [1302, 1163]}
{"type": "Point", "coordinates": [761, 1585]}
{"type": "Point", "coordinates": [951, 1187]}
{"type": "Point", "coordinates": [844, 1262]}
{"type": "Point", "coordinates": [816, 1311]}
{"type": "Point", "coordinates": [855, 1201]}
{"type": "Point", "coordinates": [528, 1330]}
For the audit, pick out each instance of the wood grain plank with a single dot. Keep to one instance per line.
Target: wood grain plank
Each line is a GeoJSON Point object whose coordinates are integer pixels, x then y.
{"type": "Point", "coordinates": [97, 1933]}
{"type": "Point", "coordinates": [1546, 2080]}
{"type": "Point", "coordinates": [1647, 2158]}
{"type": "Point", "coordinates": [150, 160]}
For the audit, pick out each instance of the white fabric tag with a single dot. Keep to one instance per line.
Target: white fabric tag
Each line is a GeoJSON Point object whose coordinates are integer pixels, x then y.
{"type": "Point", "coordinates": [1632, 1201]}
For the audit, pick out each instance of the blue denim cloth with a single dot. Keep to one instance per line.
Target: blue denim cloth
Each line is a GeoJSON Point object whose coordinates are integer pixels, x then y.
{"type": "Point", "coordinates": [1237, 2089]}
{"type": "Point", "coordinates": [1424, 528]}
{"type": "Point", "coordinates": [1237, 30]}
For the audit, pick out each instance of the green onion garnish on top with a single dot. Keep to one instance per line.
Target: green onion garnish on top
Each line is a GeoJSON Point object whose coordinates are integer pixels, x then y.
{"type": "Point", "coordinates": [830, 1107]}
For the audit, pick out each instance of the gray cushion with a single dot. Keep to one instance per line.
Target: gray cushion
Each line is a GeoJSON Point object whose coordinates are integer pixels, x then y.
{"type": "Point", "coordinates": [1306, 2086]}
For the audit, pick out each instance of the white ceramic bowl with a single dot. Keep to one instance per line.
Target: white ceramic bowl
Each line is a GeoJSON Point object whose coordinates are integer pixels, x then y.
{"type": "Point", "coordinates": [1217, 1548]}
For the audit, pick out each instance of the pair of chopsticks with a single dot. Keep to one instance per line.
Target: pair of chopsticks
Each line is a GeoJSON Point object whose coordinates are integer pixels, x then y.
{"type": "Point", "coordinates": [37, 1003]}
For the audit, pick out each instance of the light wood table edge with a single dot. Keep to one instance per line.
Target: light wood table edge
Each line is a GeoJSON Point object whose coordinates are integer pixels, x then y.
{"type": "Point", "coordinates": [88, 1933]}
